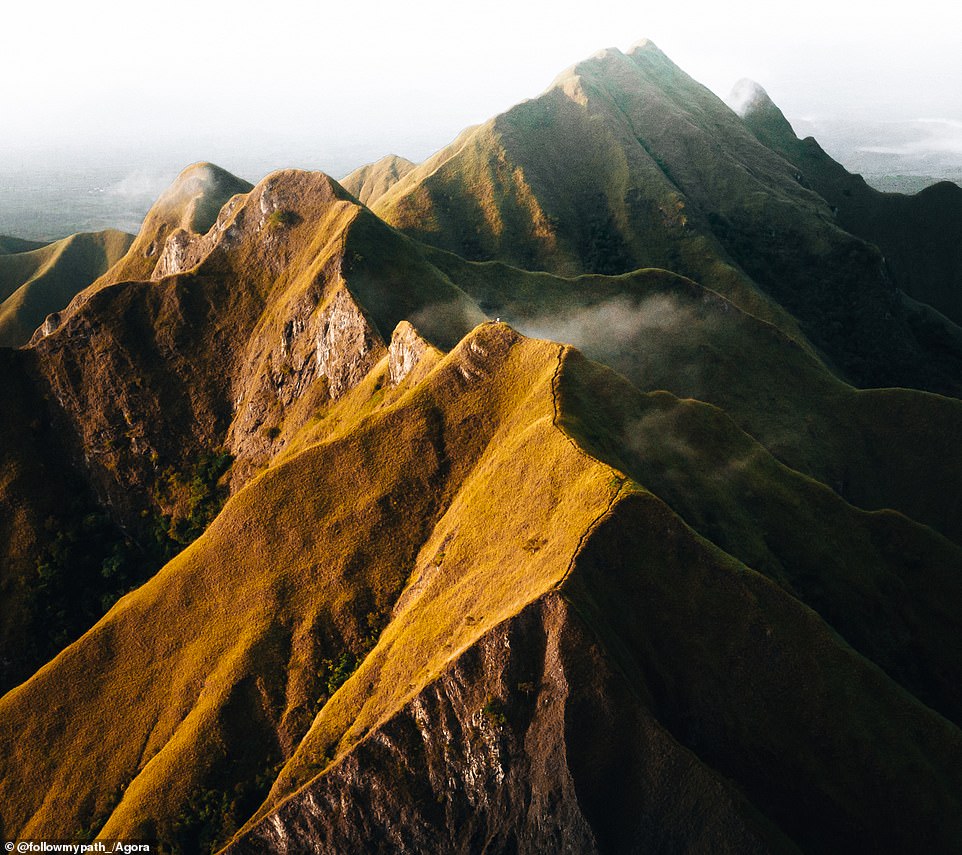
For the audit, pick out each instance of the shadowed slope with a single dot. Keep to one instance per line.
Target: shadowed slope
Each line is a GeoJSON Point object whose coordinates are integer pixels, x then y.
{"type": "Point", "coordinates": [920, 235]}
{"type": "Point", "coordinates": [665, 332]}
{"type": "Point", "coordinates": [10, 244]}
{"type": "Point", "coordinates": [552, 722]}
{"type": "Point", "coordinates": [500, 596]}
{"type": "Point", "coordinates": [152, 388]}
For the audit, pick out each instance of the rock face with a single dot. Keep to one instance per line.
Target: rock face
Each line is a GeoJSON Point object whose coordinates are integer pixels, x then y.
{"type": "Point", "coordinates": [405, 352]}
{"type": "Point", "coordinates": [346, 345]}
{"type": "Point", "coordinates": [509, 751]}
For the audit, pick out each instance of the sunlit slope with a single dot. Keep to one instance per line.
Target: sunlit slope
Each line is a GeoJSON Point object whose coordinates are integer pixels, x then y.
{"type": "Point", "coordinates": [231, 330]}
{"type": "Point", "coordinates": [411, 521]}
{"type": "Point", "coordinates": [111, 417]}
{"type": "Point", "coordinates": [368, 183]}
{"type": "Point", "coordinates": [36, 282]}
{"type": "Point", "coordinates": [248, 334]}
{"type": "Point", "coordinates": [301, 566]}
{"type": "Point", "coordinates": [626, 162]}
{"type": "Point", "coordinates": [919, 235]}
{"type": "Point", "coordinates": [601, 715]}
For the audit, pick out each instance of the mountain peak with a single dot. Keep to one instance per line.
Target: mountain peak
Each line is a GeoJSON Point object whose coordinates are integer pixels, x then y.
{"type": "Point", "coordinates": [645, 46]}
{"type": "Point", "coordinates": [197, 194]}
{"type": "Point", "coordinates": [747, 96]}
{"type": "Point", "coordinates": [762, 116]}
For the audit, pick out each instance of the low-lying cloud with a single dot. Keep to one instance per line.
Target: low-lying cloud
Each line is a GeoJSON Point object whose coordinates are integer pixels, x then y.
{"type": "Point", "coordinates": [609, 326]}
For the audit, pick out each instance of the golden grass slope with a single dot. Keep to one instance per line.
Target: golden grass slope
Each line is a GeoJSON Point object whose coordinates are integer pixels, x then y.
{"type": "Point", "coordinates": [299, 559]}
{"type": "Point", "coordinates": [242, 334]}
{"type": "Point", "coordinates": [371, 181]}
{"type": "Point", "coordinates": [410, 521]}
{"type": "Point", "coordinates": [37, 282]}
{"type": "Point", "coordinates": [780, 707]}
{"type": "Point", "coordinates": [399, 518]}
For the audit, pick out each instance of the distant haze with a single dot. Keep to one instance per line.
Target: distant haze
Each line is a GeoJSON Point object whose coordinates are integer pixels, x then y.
{"type": "Point", "coordinates": [256, 86]}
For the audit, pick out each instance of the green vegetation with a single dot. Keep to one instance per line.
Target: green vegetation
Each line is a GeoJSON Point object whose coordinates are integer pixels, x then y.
{"type": "Point", "coordinates": [89, 564]}
{"type": "Point", "coordinates": [334, 673]}
{"type": "Point", "coordinates": [197, 498]}
{"type": "Point", "coordinates": [280, 218]}
{"type": "Point", "coordinates": [210, 816]}
{"type": "Point", "coordinates": [493, 711]}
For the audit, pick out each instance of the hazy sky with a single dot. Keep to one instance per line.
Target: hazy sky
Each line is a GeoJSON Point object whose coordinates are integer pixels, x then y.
{"type": "Point", "coordinates": [331, 87]}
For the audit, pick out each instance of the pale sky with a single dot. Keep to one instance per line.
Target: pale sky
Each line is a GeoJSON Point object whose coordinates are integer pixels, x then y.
{"type": "Point", "coordinates": [366, 78]}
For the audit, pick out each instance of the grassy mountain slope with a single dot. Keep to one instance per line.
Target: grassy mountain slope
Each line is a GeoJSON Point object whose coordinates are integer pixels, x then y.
{"type": "Point", "coordinates": [153, 388]}
{"type": "Point", "coordinates": [408, 523]}
{"type": "Point", "coordinates": [427, 581]}
{"type": "Point", "coordinates": [37, 282]}
{"type": "Point", "coordinates": [438, 450]}
{"type": "Point", "coordinates": [663, 332]}
{"type": "Point", "coordinates": [626, 162]}
{"type": "Point", "coordinates": [920, 235]}
{"type": "Point", "coordinates": [262, 325]}
{"type": "Point", "coordinates": [368, 183]}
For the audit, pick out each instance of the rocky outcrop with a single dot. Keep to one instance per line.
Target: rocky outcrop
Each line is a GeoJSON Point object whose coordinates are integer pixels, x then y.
{"type": "Point", "coordinates": [347, 345]}
{"type": "Point", "coordinates": [323, 351]}
{"type": "Point", "coordinates": [405, 352]}
{"type": "Point", "coordinates": [509, 751]}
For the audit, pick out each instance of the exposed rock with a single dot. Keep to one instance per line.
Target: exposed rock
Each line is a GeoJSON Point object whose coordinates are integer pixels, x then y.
{"type": "Point", "coordinates": [174, 256]}
{"type": "Point", "coordinates": [510, 751]}
{"type": "Point", "coordinates": [51, 323]}
{"type": "Point", "coordinates": [347, 345]}
{"type": "Point", "coordinates": [324, 349]}
{"type": "Point", "coordinates": [405, 352]}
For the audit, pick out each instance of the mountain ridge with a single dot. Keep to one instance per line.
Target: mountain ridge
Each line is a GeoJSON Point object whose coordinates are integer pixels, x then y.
{"type": "Point", "coordinates": [343, 540]}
